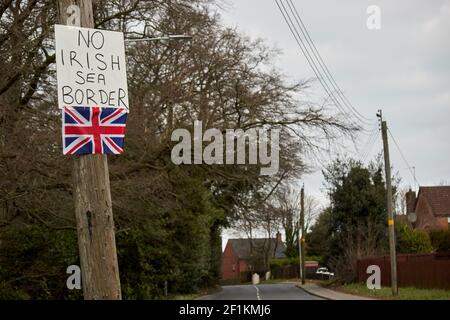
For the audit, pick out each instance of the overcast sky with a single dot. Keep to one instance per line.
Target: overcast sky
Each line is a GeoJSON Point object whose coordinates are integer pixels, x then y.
{"type": "Point", "coordinates": [403, 68]}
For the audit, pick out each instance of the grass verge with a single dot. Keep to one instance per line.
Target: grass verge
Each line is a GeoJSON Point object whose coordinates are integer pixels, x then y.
{"type": "Point", "coordinates": [404, 293]}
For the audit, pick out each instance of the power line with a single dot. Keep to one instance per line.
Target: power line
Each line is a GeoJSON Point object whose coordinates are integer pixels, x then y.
{"type": "Point", "coordinates": [308, 57]}
{"type": "Point", "coordinates": [323, 65]}
{"type": "Point", "coordinates": [403, 156]}
{"type": "Point", "coordinates": [320, 61]}
{"type": "Point", "coordinates": [369, 133]}
{"type": "Point", "coordinates": [323, 74]}
{"type": "Point", "coordinates": [370, 145]}
{"type": "Point", "coordinates": [363, 151]}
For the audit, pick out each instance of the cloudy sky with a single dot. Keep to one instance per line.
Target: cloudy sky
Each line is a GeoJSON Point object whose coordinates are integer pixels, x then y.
{"type": "Point", "coordinates": [403, 68]}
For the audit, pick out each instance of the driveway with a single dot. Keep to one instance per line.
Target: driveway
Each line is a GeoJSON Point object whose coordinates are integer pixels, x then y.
{"type": "Point", "coordinates": [280, 291]}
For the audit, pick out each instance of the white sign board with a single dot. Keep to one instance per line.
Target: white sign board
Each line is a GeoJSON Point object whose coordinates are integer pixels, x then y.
{"type": "Point", "coordinates": [91, 67]}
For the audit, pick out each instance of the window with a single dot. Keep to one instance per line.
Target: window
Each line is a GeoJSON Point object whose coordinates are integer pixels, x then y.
{"type": "Point", "coordinates": [233, 267]}
{"type": "Point", "coordinates": [448, 220]}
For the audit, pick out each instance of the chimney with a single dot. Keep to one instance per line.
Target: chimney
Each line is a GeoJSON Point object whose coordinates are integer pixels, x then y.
{"type": "Point", "coordinates": [278, 236]}
{"type": "Point", "coordinates": [410, 197]}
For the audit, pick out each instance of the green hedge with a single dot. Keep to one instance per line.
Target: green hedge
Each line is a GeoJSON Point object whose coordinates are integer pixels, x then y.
{"type": "Point", "coordinates": [412, 241]}
{"type": "Point", "coordinates": [440, 240]}
{"type": "Point", "coordinates": [294, 261]}
{"type": "Point", "coordinates": [34, 260]}
{"type": "Point", "coordinates": [33, 263]}
{"type": "Point", "coordinates": [277, 263]}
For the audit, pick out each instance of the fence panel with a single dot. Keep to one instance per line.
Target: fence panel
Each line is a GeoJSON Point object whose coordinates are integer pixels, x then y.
{"type": "Point", "coordinates": [414, 270]}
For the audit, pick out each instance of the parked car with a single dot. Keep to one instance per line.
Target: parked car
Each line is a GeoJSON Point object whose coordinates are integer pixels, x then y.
{"type": "Point", "coordinates": [324, 271]}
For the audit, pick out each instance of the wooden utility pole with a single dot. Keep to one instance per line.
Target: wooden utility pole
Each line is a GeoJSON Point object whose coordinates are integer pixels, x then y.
{"type": "Point", "coordinates": [301, 235]}
{"type": "Point", "coordinates": [387, 168]}
{"type": "Point", "coordinates": [92, 197]}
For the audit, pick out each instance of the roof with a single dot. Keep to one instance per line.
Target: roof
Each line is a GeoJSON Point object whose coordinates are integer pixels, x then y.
{"type": "Point", "coordinates": [438, 198]}
{"type": "Point", "coordinates": [246, 248]}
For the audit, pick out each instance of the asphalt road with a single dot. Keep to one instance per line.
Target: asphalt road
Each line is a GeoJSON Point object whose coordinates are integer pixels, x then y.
{"type": "Point", "coordinates": [280, 291]}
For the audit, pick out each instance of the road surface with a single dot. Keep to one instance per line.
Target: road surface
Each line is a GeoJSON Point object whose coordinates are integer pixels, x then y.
{"type": "Point", "coordinates": [280, 291]}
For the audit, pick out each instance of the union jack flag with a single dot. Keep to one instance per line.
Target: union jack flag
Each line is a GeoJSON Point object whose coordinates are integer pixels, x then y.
{"type": "Point", "coordinates": [88, 130]}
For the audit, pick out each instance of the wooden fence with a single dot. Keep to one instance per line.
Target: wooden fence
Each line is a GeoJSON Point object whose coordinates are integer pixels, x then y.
{"type": "Point", "coordinates": [414, 270]}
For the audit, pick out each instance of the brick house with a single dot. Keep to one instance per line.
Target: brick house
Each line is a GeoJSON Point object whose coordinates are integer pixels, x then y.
{"type": "Point", "coordinates": [431, 207]}
{"type": "Point", "coordinates": [242, 255]}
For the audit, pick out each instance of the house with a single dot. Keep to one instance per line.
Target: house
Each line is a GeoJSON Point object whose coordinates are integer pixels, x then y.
{"type": "Point", "coordinates": [243, 255]}
{"type": "Point", "coordinates": [431, 207]}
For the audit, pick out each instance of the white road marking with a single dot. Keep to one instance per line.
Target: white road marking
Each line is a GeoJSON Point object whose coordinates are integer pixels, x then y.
{"type": "Point", "coordinates": [257, 293]}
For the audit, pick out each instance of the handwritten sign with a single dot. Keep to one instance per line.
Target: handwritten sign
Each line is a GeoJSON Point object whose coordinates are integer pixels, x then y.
{"type": "Point", "coordinates": [91, 67]}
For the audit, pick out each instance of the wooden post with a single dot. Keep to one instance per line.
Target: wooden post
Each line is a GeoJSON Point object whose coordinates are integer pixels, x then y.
{"type": "Point", "coordinates": [387, 168]}
{"type": "Point", "coordinates": [93, 205]}
{"type": "Point", "coordinates": [301, 232]}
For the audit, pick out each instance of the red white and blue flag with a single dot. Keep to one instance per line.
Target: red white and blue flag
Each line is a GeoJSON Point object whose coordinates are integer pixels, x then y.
{"type": "Point", "coordinates": [93, 130]}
